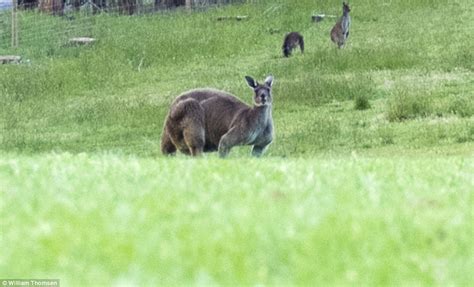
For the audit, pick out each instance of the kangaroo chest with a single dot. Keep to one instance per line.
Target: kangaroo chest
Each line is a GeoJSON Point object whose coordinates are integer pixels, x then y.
{"type": "Point", "coordinates": [262, 133]}
{"type": "Point", "coordinates": [346, 23]}
{"type": "Point", "coordinates": [262, 127]}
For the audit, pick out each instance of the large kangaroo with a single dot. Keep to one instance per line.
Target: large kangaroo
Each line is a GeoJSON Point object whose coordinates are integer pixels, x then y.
{"type": "Point", "coordinates": [340, 31]}
{"type": "Point", "coordinates": [291, 41]}
{"type": "Point", "coordinates": [205, 120]}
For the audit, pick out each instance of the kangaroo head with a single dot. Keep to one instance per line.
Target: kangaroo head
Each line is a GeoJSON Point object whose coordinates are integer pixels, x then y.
{"type": "Point", "coordinates": [345, 7]}
{"type": "Point", "coordinates": [262, 92]}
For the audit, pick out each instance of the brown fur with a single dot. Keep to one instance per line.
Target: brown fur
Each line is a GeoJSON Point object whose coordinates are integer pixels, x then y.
{"type": "Point", "coordinates": [205, 120]}
{"type": "Point", "coordinates": [291, 41]}
{"type": "Point", "coordinates": [340, 31]}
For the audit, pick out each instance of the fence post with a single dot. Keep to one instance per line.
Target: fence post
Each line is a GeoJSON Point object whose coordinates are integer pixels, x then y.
{"type": "Point", "coordinates": [14, 24]}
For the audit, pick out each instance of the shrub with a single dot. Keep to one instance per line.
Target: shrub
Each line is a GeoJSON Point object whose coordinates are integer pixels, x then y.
{"type": "Point", "coordinates": [403, 105]}
{"type": "Point", "coordinates": [361, 102]}
{"type": "Point", "coordinates": [462, 106]}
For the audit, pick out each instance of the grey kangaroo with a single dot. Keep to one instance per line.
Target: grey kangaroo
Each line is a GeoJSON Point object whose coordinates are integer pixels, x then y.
{"type": "Point", "coordinates": [206, 120]}
{"type": "Point", "coordinates": [340, 31]}
{"type": "Point", "coordinates": [291, 41]}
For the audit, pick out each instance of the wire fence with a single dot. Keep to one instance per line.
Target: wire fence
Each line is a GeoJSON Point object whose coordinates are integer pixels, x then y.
{"type": "Point", "coordinates": [29, 22]}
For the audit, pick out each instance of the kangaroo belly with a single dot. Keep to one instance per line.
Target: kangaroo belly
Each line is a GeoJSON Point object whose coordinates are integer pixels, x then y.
{"type": "Point", "coordinates": [216, 127]}
{"type": "Point", "coordinates": [253, 137]}
{"type": "Point", "coordinates": [219, 115]}
{"type": "Point", "coordinates": [261, 136]}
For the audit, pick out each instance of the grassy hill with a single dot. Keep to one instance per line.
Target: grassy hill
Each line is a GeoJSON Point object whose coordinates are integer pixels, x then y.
{"type": "Point", "coordinates": [369, 180]}
{"type": "Point", "coordinates": [412, 62]}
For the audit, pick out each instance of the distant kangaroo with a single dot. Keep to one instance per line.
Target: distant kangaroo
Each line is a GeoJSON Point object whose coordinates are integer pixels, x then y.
{"type": "Point", "coordinates": [291, 41]}
{"type": "Point", "coordinates": [205, 120]}
{"type": "Point", "coordinates": [340, 31]}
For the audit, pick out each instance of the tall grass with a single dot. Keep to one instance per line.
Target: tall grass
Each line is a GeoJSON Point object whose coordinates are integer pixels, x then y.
{"type": "Point", "coordinates": [114, 95]}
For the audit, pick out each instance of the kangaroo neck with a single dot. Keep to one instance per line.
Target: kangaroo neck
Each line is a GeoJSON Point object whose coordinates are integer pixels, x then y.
{"type": "Point", "coordinates": [345, 14]}
{"type": "Point", "coordinates": [263, 112]}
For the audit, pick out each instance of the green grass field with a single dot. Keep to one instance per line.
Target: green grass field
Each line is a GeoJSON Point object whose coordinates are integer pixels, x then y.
{"type": "Point", "coordinates": [369, 180]}
{"type": "Point", "coordinates": [108, 219]}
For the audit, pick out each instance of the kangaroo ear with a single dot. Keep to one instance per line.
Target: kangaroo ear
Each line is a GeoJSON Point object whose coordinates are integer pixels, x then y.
{"type": "Point", "coordinates": [269, 81]}
{"type": "Point", "coordinates": [251, 82]}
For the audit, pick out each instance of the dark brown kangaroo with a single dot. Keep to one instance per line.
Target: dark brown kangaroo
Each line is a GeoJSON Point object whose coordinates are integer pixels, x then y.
{"type": "Point", "coordinates": [205, 120]}
{"type": "Point", "coordinates": [340, 31]}
{"type": "Point", "coordinates": [291, 41]}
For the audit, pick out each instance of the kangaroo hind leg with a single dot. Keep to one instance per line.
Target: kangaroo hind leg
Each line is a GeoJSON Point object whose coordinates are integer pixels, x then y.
{"type": "Point", "coordinates": [190, 127]}
{"type": "Point", "coordinates": [302, 45]}
{"type": "Point", "coordinates": [194, 128]}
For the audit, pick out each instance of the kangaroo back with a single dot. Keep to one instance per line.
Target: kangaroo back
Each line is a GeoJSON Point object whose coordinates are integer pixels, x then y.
{"type": "Point", "coordinates": [291, 41]}
{"type": "Point", "coordinates": [185, 109]}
